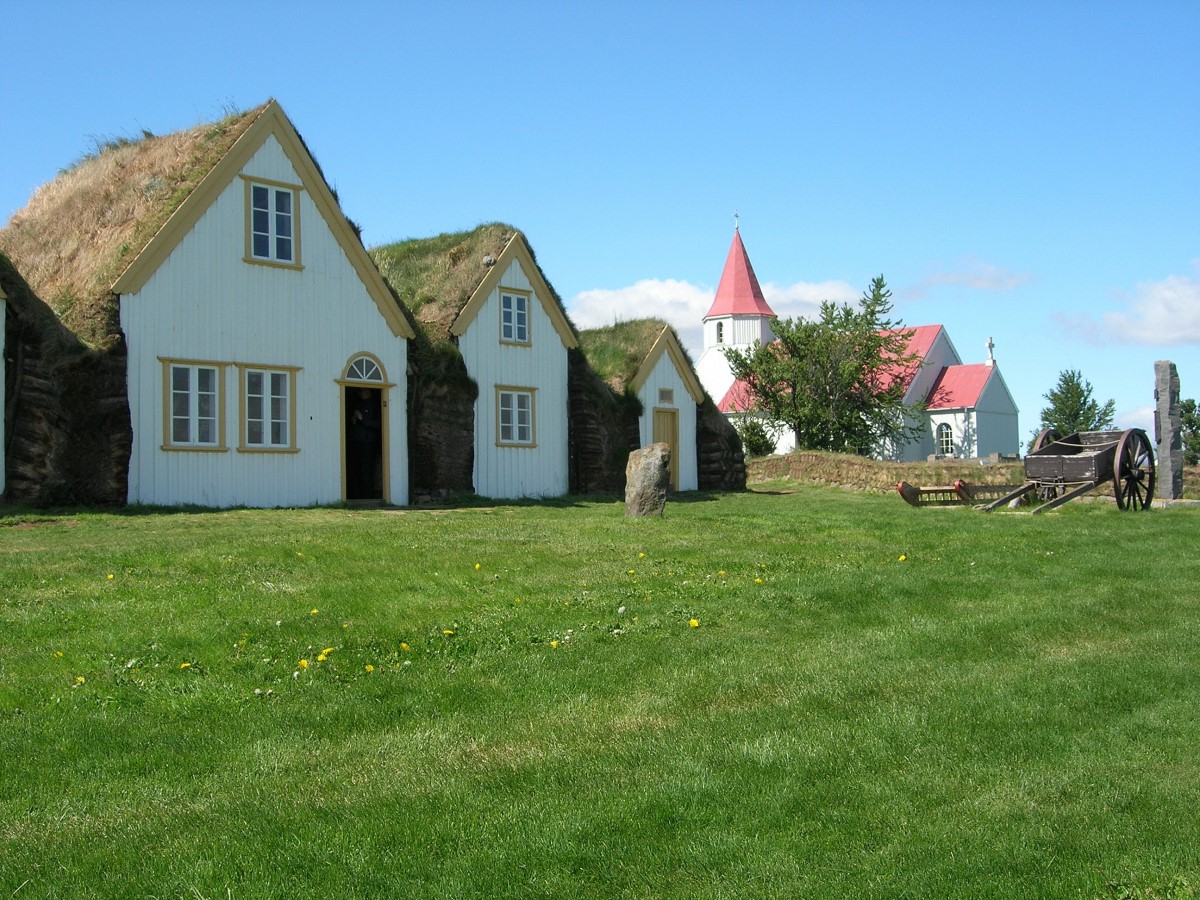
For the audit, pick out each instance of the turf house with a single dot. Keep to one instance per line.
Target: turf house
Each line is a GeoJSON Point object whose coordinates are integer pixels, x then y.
{"type": "Point", "coordinates": [191, 319]}
{"type": "Point", "coordinates": [215, 317]}
{"type": "Point", "coordinates": [644, 358]}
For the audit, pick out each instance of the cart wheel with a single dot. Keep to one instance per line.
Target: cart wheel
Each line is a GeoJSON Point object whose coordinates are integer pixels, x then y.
{"type": "Point", "coordinates": [1047, 436]}
{"type": "Point", "coordinates": [1133, 470]}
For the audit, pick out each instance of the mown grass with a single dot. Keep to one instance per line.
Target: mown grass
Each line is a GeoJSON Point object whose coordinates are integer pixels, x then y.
{"type": "Point", "coordinates": [873, 700]}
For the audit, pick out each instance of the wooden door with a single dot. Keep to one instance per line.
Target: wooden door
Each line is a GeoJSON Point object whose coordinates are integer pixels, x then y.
{"type": "Point", "coordinates": [666, 431]}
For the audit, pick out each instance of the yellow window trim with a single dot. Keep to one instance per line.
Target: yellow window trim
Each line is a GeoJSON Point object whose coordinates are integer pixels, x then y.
{"type": "Point", "coordinates": [297, 261]}
{"type": "Point", "coordinates": [222, 445]}
{"type": "Point", "coordinates": [243, 447]}
{"type": "Point", "coordinates": [529, 296]}
{"type": "Point", "coordinates": [532, 392]}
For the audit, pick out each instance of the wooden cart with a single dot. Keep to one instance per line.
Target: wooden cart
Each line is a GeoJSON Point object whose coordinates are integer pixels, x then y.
{"type": "Point", "coordinates": [1060, 468]}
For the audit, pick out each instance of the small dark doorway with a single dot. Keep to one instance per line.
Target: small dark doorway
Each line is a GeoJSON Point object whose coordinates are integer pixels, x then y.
{"type": "Point", "coordinates": [364, 443]}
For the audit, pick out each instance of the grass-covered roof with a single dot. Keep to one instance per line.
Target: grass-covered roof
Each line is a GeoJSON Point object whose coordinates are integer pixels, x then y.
{"type": "Point", "coordinates": [617, 351]}
{"type": "Point", "coordinates": [79, 232]}
{"type": "Point", "coordinates": [436, 277]}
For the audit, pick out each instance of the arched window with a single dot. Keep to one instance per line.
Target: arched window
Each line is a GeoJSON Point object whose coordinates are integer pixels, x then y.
{"type": "Point", "coordinates": [945, 440]}
{"type": "Point", "coordinates": [720, 332]}
{"type": "Point", "coordinates": [364, 368]}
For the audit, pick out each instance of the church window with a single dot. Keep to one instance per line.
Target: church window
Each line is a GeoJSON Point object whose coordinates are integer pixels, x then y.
{"type": "Point", "coordinates": [945, 440]}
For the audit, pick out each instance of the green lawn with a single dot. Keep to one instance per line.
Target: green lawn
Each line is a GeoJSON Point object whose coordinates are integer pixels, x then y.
{"type": "Point", "coordinates": [814, 693]}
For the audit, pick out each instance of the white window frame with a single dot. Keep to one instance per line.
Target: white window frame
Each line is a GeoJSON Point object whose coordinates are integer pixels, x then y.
{"type": "Point", "coordinates": [184, 405]}
{"type": "Point", "coordinates": [267, 413]}
{"type": "Point", "coordinates": [278, 229]}
{"type": "Point", "coordinates": [514, 317]}
{"type": "Point", "coordinates": [516, 416]}
{"type": "Point", "coordinates": [945, 439]}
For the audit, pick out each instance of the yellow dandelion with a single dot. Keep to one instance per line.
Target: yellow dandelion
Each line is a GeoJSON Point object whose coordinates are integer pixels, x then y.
{"type": "Point", "coordinates": [313, 611]}
{"type": "Point", "coordinates": [368, 668]}
{"type": "Point", "coordinates": [758, 581]}
{"type": "Point", "coordinates": [345, 624]}
{"type": "Point", "coordinates": [321, 657]}
{"type": "Point", "coordinates": [185, 665]}
{"type": "Point", "coordinates": [641, 556]}
{"type": "Point", "coordinates": [694, 623]}
{"type": "Point", "coordinates": [303, 664]}
{"type": "Point", "coordinates": [58, 654]}
{"type": "Point", "coordinates": [554, 645]}
{"type": "Point", "coordinates": [110, 576]}
{"type": "Point", "coordinates": [476, 567]}
{"type": "Point", "coordinates": [721, 574]}
{"type": "Point", "coordinates": [79, 679]}
{"type": "Point", "coordinates": [404, 647]}
{"type": "Point", "coordinates": [630, 572]}
{"type": "Point", "coordinates": [449, 632]}
{"type": "Point", "coordinates": [327, 651]}
{"type": "Point", "coordinates": [903, 557]}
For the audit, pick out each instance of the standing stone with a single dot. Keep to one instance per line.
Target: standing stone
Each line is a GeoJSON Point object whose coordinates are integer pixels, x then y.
{"type": "Point", "coordinates": [1168, 430]}
{"type": "Point", "coordinates": [647, 477]}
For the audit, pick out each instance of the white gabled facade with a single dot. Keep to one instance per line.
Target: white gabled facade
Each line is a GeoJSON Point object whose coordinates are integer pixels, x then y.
{"type": "Point", "coordinates": [514, 338]}
{"type": "Point", "coordinates": [670, 394]}
{"type": "Point", "coordinates": [239, 368]}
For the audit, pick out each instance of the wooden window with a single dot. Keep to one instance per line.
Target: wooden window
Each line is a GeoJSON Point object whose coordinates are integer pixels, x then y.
{"type": "Point", "coordinates": [272, 223]}
{"type": "Point", "coordinates": [363, 368]}
{"type": "Point", "coordinates": [268, 408]}
{"type": "Point", "coordinates": [666, 396]}
{"type": "Point", "coordinates": [515, 417]}
{"type": "Point", "coordinates": [193, 406]}
{"type": "Point", "coordinates": [945, 440]}
{"type": "Point", "coordinates": [514, 318]}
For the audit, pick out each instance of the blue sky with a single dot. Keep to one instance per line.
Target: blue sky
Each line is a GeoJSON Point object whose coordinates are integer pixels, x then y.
{"type": "Point", "coordinates": [1024, 171]}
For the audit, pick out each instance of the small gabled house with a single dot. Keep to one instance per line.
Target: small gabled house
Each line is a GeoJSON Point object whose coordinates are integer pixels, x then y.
{"type": "Point", "coordinates": [644, 358]}
{"type": "Point", "coordinates": [257, 332]}
{"type": "Point", "coordinates": [483, 292]}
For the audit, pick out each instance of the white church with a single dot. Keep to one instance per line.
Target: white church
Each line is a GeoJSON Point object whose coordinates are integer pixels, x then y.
{"type": "Point", "coordinates": [969, 411]}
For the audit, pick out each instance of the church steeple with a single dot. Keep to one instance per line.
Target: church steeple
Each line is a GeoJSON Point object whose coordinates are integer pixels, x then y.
{"type": "Point", "coordinates": [738, 293]}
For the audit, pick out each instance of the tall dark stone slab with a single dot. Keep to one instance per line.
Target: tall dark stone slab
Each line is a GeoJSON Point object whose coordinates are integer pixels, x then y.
{"type": "Point", "coordinates": [1168, 430]}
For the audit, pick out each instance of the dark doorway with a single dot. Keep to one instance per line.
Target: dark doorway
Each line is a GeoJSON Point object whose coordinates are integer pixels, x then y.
{"type": "Point", "coordinates": [364, 443]}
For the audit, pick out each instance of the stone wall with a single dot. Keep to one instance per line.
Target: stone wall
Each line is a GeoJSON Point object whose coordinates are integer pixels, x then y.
{"type": "Point", "coordinates": [67, 424]}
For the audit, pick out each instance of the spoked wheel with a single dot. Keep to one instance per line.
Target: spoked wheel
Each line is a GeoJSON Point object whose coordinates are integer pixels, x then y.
{"type": "Point", "coordinates": [1047, 436]}
{"type": "Point", "coordinates": [1133, 470]}
{"type": "Point", "coordinates": [1046, 492]}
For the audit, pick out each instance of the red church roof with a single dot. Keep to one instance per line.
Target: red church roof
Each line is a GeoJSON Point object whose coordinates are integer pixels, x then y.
{"type": "Point", "coordinates": [737, 399]}
{"type": "Point", "coordinates": [959, 387]}
{"type": "Point", "coordinates": [738, 294]}
{"type": "Point", "coordinates": [919, 345]}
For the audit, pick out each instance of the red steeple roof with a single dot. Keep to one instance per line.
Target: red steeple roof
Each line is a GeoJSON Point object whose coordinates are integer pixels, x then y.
{"type": "Point", "coordinates": [738, 294]}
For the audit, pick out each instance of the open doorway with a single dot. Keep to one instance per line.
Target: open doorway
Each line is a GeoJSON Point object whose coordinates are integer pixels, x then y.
{"type": "Point", "coordinates": [364, 442]}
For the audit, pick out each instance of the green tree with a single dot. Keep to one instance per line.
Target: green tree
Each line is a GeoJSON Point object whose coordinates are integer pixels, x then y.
{"type": "Point", "coordinates": [833, 380]}
{"type": "Point", "coordinates": [1072, 407]}
{"type": "Point", "coordinates": [1191, 432]}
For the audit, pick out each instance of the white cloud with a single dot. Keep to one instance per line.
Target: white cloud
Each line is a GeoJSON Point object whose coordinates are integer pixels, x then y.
{"type": "Point", "coordinates": [972, 274]}
{"type": "Point", "coordinates": [804, 298]}
{"type": "Point", "coordinates": [1142, 417]}
{"type": "Point", "coordinates": [683, 304]}
{"type": "Point", "coordinates": [1162, 312]}
{"type": "Point", "coordinates": [679, 303]}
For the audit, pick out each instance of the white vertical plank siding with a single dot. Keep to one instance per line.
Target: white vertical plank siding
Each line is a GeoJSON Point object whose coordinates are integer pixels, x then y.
{"type": "Point", "coordinates": [508, 472]}
{"type": "Point", "coordinates": [665, 375]}
{"type": "Point", "coordinates": [205, 303]}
